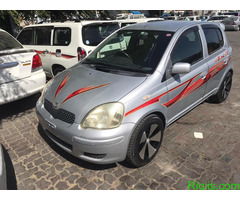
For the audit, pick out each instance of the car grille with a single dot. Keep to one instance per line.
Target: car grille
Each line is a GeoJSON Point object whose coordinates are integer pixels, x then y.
{"type": "Point", "coordinates": [60, 114]}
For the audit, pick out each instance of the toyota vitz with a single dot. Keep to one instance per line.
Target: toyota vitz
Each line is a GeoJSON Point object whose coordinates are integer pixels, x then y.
{"type": "Point", "coordinates": [116, 103]}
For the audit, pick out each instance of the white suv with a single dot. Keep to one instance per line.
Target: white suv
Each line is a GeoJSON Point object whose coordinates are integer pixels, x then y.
{"type": "Point", "coordinates": [63, 44]}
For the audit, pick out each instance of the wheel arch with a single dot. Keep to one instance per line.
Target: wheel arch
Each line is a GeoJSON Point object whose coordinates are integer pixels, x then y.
{"type": "Point", "coordinates": [54, 66]}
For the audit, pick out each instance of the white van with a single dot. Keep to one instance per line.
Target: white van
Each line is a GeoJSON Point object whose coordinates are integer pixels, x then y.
{"type": "Point", "coordinates": [63, 44]}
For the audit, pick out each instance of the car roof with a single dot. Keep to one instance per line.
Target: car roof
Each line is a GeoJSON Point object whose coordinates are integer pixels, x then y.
{"type": "Point", "coordinates": [171, 26]}
{"type": "Point", "coordinates": [72, 23]}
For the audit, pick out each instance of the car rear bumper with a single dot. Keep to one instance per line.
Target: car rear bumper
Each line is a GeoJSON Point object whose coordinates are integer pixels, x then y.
{"type": "Point", "coordinates": [18, 89]}
{"type": "Point", "coordinates": [3, 176]}
{"type": "Point", "coordinates": [95, 146]}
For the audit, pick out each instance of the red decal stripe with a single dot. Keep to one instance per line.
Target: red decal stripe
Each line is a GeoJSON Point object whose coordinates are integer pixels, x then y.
{"type": "Point", "coordinates": [82, 90]}
{"type": "Point", "coordinates": [64, 81]}
{"type": "Point", "coordinates": [187, 90]}
{"type": "Point", "coordinates": [152, 101]}
{"type": "Point", "coordinates": [63, 55]}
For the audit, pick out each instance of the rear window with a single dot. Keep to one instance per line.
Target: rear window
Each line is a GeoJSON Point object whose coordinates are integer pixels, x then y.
{"type": "Point", "coordinates": [94, 34]}
{"type": "Point", "coordinates": [7, 42]}
{"type": "Point", "coordinates": [214, 39]}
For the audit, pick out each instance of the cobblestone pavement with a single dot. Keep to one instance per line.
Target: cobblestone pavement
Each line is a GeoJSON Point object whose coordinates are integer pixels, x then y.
{"type": "Point", "coordinates": [40, 164]}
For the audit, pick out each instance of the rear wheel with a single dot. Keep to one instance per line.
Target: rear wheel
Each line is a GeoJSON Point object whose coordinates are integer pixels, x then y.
{"type": "Point", "coordinates": [145, 141]}
{"type": "Point", "coordinates": [224, 89]}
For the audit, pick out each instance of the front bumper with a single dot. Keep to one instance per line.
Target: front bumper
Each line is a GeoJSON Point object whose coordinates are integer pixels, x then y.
{"type": "Point", "coordinates": [3, 176]}
{"type": "Point", "coordinates": [92, 145]}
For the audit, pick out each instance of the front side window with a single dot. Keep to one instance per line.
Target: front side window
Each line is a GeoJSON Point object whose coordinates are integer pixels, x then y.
{"type": "Point", "coordinates": [214, 39]}
{"type": "Point", "coordinates": [131, 50]}
{"type": "Point", "coordinates": [93, 34]}
{"type": "Point", "coordinates": [42, 36]}
{"type": "Point", "coordinates": [7, 42]}
{"type": "Point", "coordinates": [188, 48]}
{"type": "Point", "coordinates": [62, 36]}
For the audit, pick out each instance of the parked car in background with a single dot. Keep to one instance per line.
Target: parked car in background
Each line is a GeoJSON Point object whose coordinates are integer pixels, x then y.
{"type": "Point", "coordinates": [194, 18]}
{"type": "Point", "coordinates": [171, 18]}
{"type": "Point", "coordinates": [232, 23]}
{"type": "Point", "coordinates": [63, 44]}
{"type": "Point", "coordinates": [3, 173]}
{"type": "Point", "coordinates": [204, 18]}
{"type": "Point", "coordinates": [127, 22]}
{"type": "Point", "coordinates": [21, 72]}
{"type": "Point", "coordinates": [218, 18]}
{"type": "Point", "coordinates": [116, 103]}
{"type": "Point", "coordinates": [237, 14]}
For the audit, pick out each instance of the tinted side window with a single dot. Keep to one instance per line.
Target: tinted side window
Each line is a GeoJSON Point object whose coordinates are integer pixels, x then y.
{"type": "Point", "coordinates": [188, 48]}
{"type": "Point", "coordinates": [94, 34]}
{"type": "Point", "coordinates": [7, 42]}
{"type": "Point", "coordinates": [25, 37]}
{"type": "Point", "coordinates": [214, 39]}
{"type": "Point", "coordinates": [62, 36]}
{"type": "Point", "coordinates": [42, 36]}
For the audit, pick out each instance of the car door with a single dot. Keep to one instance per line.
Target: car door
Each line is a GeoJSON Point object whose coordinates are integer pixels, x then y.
{"type": "Point", "coordinates": [219, 56]}
{"type": "Point", "coordinates": [186, 90]}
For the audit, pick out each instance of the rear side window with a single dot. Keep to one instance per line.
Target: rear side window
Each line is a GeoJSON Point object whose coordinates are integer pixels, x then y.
{"type": "Point", "coordinates": [7, 42]}
{"type": "Point", "coordinates": [42, 36]}
{"type": "Point", "coordinates": [62, 36]}
{"type": "Point", "coordinates": [214, 39]}
{"type": "Point", "coordinates": [26, 36]}
{"type": "Point", "coordinates": [188, 48]}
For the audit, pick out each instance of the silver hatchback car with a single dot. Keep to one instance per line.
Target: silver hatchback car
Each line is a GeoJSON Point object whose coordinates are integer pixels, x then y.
{"type": "Point", "coordinates": [116, 103]}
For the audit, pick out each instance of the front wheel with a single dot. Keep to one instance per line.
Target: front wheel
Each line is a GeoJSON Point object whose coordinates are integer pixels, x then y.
{"type": "Point", "coordinates": [224, 90]}
{"type": "Point", "coordinates": [145, 141]}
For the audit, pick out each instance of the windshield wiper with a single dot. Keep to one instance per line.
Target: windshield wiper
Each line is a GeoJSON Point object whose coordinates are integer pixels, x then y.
{"type": "Point", "coordinates": [109, 67]}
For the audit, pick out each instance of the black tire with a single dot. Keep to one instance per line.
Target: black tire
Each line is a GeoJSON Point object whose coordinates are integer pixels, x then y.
{"type": "Point", "coordinates": [57, 69]}
{"type": "Point", "coordinates": [224, 90]}
{"type": "Point", "coordinates": [145, 141]}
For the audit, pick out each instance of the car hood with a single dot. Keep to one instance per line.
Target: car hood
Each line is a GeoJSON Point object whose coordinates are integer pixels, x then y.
{"type": "Point", "coordinates": [80, 89]}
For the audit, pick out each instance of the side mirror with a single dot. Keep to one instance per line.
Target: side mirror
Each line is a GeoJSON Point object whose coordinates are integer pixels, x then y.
{"type": "Point", "coordinates": [181, 68]}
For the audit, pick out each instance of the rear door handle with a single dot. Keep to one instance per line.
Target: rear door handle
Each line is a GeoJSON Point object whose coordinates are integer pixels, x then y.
{"type": "Point", "coordinates": [46, 52]}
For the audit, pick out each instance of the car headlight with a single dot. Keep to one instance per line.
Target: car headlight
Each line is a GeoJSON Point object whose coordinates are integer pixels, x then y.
{"type": "Point", "coordinates": [45, 89]}
{"type": "Point", "coordinates": [105, 116]}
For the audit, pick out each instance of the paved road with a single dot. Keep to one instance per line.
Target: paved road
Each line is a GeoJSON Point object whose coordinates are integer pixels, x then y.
{"type": "Point", "coordinates": [39, 164]}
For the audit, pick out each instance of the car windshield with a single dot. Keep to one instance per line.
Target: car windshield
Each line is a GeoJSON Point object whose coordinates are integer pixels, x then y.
{"type": "Point", "coordinates": [131, 50]}
{"type": "Point", "coordinates": [7, 42]}
{"type": "Point", "coordinates": [93, 34]}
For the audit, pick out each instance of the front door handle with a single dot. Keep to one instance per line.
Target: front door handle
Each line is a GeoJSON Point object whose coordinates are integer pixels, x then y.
{"type": "Point", "coordinates": [58, 53]}
{"type": "Point", "coordinates": [203, 75]}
